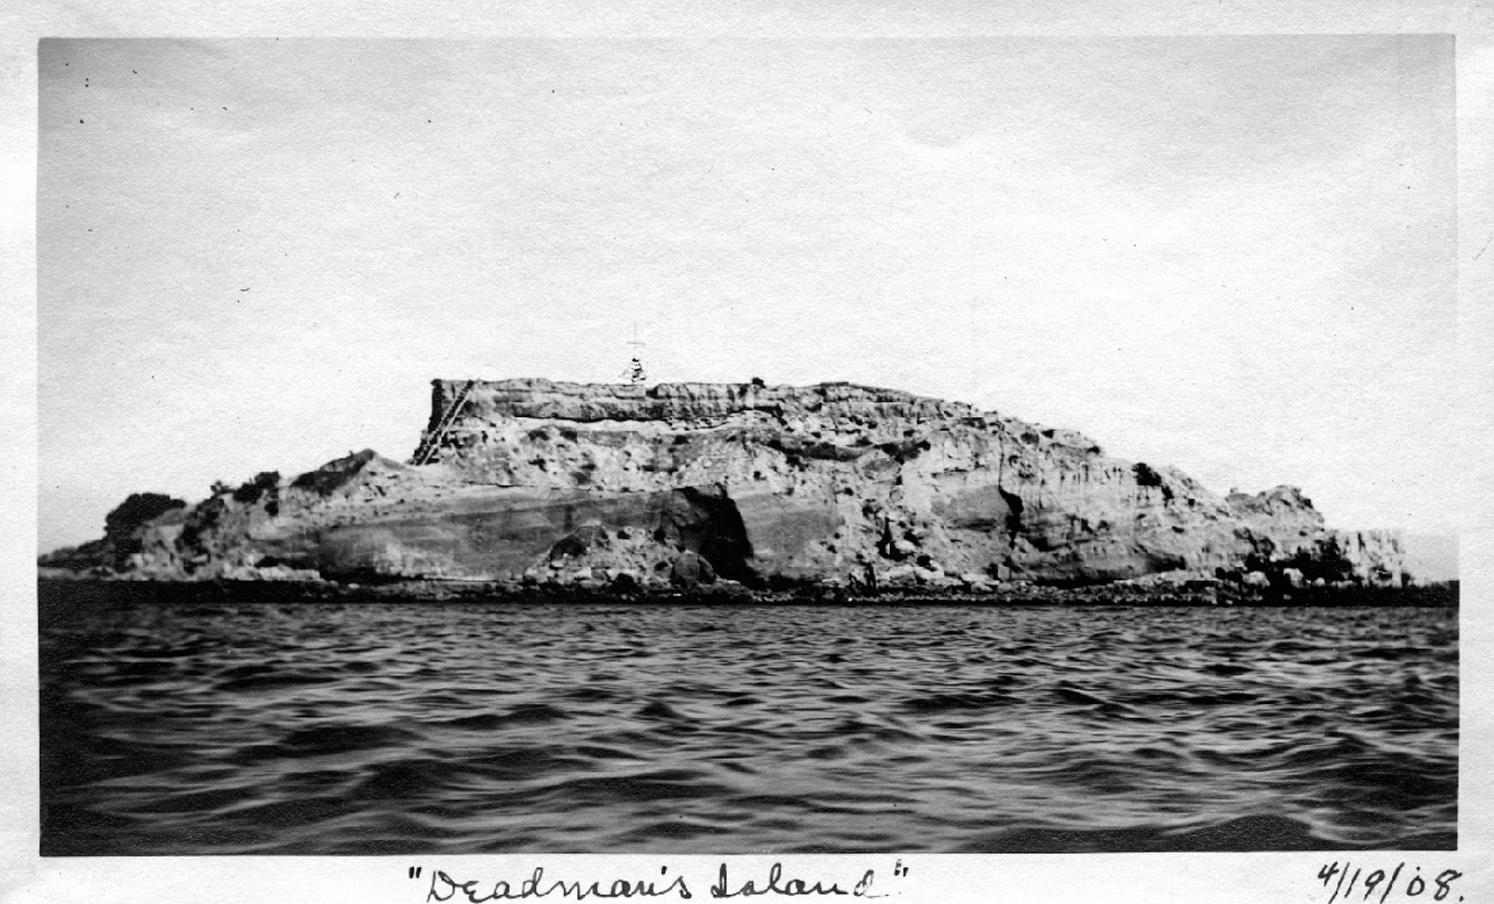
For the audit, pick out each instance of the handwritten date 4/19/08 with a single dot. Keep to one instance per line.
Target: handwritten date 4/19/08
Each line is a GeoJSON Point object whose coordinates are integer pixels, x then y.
{"type": "Point", "coordinates": [1348, 880]}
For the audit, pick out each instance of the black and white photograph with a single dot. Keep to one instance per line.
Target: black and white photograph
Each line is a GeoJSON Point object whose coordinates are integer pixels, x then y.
{"type": "Point", "coordinates": [776, 446]}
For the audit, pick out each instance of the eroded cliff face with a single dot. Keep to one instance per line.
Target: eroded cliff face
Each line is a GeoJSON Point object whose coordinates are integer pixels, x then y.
{"type": "Point", "coordinates": [589, 482]}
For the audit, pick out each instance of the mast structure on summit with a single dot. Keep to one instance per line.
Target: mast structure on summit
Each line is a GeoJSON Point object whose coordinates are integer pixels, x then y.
{"type": "Point", "coordinates": [635, 372]}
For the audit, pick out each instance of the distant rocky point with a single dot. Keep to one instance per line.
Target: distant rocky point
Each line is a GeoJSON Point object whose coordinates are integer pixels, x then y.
{"type": "Point", "coordinates": [534, 482]}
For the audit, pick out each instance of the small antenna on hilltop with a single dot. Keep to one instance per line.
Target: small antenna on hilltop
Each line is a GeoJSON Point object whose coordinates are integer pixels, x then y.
{"type": "Point", "coordinates": [635, 373]}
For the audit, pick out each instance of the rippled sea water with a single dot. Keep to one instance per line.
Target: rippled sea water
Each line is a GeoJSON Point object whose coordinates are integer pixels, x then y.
{"type": "Point", "coordinates": [384, 727]}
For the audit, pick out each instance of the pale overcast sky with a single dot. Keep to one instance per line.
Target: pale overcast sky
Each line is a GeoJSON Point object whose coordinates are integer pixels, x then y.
{"type": "Point", "coordinates": [1235, 255]}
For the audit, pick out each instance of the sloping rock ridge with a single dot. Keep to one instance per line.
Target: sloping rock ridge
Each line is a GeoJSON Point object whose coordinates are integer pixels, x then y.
{"type": "Point", "coordinates": [536, 480]}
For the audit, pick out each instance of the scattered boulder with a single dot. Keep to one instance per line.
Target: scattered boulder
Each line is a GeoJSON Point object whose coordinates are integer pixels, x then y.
{"type": "Point", "coordinates": [899, 574]}
{"type": "Point", "coordinates": [691, 569]}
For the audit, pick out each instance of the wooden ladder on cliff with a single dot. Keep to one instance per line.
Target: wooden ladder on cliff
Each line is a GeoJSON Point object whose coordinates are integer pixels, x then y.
{"type": "Point", "coordinates": [428, 443]}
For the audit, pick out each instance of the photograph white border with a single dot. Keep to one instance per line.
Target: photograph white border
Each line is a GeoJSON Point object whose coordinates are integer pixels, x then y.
{"type": "Point", "coordinates": [1194, 877]}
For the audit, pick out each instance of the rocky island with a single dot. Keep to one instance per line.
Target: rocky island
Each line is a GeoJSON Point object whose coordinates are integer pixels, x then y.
{"type": "Point", "coordinates": [527, 483]}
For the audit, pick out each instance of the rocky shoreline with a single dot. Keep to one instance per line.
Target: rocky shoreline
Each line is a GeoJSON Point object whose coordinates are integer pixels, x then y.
{"type": "Point", "coordinates": [67, 590]}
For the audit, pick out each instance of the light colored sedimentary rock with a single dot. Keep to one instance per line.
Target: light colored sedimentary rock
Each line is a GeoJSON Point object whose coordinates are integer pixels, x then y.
{"type": "Point", "coordinates": [581, 483]}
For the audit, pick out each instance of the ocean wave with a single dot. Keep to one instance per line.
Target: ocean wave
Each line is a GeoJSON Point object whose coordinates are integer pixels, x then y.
{"type": "Point", "coordinates": [392, 728]}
